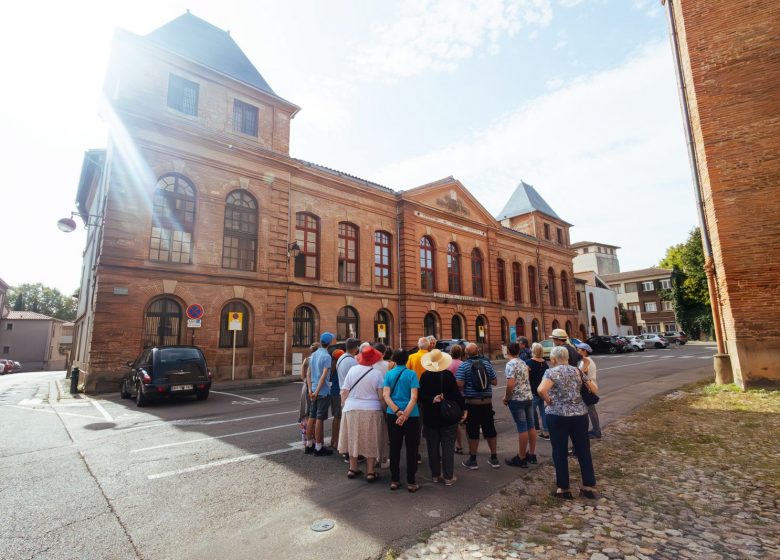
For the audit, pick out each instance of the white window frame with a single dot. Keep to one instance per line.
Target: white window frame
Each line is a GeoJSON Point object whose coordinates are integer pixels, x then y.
{"type": "Point", "coordinates": [648, 305]}
{"type": "Point", "coordinates": [666, 284]}
{"type": "Point", "coordinates": [646, 283]}
{"type": "Point", "coordinates": [667, 305]}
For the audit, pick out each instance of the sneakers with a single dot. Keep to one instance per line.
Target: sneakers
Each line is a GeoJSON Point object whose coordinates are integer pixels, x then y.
{"type": "Point", "coordinates": [532, 459]}
{"type": "Point", "coordinates": [516, 461]}
{"type": "Point", "coordinates": [450, 481]}
{"type": "Point", "coordinates": [493, 462]}
{"type": "Point", "coordinates": [470, 464]}
{"type": "Point", "coordinates": [590, 494]}
{"type": "Point", "coordinates": [593, 435]}
{"type": "Point", "coordinates": [308, 449]}
{"type": "Point", "coordinates": [544, 435]}
{"type": "Point", "coordinates": [323, 452]}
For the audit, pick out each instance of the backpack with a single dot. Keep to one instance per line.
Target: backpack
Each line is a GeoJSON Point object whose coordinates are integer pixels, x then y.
{"type": "Point", "coordinates": [479, 376]}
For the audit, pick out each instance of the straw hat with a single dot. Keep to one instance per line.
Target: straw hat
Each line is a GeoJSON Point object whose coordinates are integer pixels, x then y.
{"type": "Point", "coordinates": [436, 360]}
{"type": "Point", "coordinates": [559, 334]}
{"type": "Point", "coordinates": [368, 356]}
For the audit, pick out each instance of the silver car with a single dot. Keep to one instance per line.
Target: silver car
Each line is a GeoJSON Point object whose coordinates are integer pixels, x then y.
{"type": "Point", "coordinates": [637, 343]}
{"type": "Point", "coordinates": [654, 340]}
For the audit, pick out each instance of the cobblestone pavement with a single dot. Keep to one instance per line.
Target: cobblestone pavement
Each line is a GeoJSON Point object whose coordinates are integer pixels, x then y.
{"type": "Point", "coordinates": [692, 475]}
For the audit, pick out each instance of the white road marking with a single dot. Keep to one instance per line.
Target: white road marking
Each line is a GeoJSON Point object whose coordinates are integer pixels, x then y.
{"type": "Point", "coordinates": [203, 422]}
{"type": "Point", "coordinates": [705, 357]}
{"type": "Point", "coordinates": [101, 410]}
{"type": "Point", "coordinates": [221, 462]}
{"type": "Point", "coordinates": [263, 400]}
{"type": "Point", "coordinates": [213, 437]}
{"type": "Point", "coordinates": [49, 411]}
{"type": "Point", "coordinates": [635, 363]}
{"type": "Point", "coordinates": [30, 402]}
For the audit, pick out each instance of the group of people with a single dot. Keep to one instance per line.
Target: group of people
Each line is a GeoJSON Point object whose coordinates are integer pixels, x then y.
{"type": "Point", "coordinates": [384, 401]}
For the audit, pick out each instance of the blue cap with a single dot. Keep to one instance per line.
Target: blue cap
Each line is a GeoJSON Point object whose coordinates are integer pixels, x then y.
{"type": "Point", "coordinates": [586, 347]}
{"type": "Point", "coordinates": [326, 338]}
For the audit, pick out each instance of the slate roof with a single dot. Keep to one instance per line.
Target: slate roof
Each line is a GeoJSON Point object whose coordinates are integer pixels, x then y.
{"type": "Point", "coordinates": [651, 272]}
{"type": "Point", "coordinates": [202, 42]}
{"type": "Point", "coordinates": [29, 315]}
{"type": "Point", "coordinates": [525, 199]}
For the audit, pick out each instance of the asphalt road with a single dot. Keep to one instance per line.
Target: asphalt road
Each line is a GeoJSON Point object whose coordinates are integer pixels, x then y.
{"type": "Point", "coordinates": [227, 478]}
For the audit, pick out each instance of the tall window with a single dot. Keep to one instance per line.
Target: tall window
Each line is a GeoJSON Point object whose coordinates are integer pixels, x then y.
{"type": "Point", "coordinates": [173, 220]}
{"type": "Point", "coordinates": [347, 323]}
{"type": "Point", "coordinates": [431, 325]}
{"type": "Point", "coordinates": [579, 301]}
{"type": "Point", "coordinates": [565, 289]}
{"type": "Point", "coordinates": [559, 231]}
{"type": "Point", "coordinates": [477, 276]}
{"type": "Point", "coordinates": [504, 330]}
{"type": "Point", "coordinates": [617, 316]}
{"type": "Point", "coordinates": [517, 286]}
{"type": "Point", "coordinates": [457, 326]}
{"type": "Point", "coordinates": [520, 326]}
{"type": "Point", "coordinates": [382, 317]}
{"type": "Point", "coordinates": [569, 328]}
{"type": "Point", "coordinates": [307, 236]}
{"type": "Point", "coordinates": [162, 323]}
{"type": "Point", "coordinates": [183, 95]}
{"type": "Point", "coordinates": [604, 326]}
{"type": "Point", "coordinates": [244, 118]}
{"type": "Point", "coordinates": [225, 335]}
{"type": "Point", "coordinates": [592, 303]}
{"type": "Point", "coordinates": [480, 329]}
{"type": "Point", "coordinates": [453, 268]}
{"type": "Point", "coordinates": [501, 274]}
{"type": "Point", "coordinates": [303, 326]}
{"type": "Point", "coordinates": [556, 324]}
{"type": "Point", "coordinates": [382, 259]}
{"type": "Point", "coordinates": [348, 253]}
{"type": "Point", "coordinates": [427, 265]}
{"type": "Point", "coordinates": [239, 244]}
{"type": "Point", "coordinates": [551, 286]}
{"type": "Point", "coordinates": [547, 231]}
{"type": "Point", "coordinates": [536, 333]}
{"type": "Point", "coordinates": [532, 291]}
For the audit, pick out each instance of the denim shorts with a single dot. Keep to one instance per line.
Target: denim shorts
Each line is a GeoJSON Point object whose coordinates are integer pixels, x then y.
{"type": "Point", "coordinates": [522, 414]}
{"type": "Point", "coordinates": [319, 408]}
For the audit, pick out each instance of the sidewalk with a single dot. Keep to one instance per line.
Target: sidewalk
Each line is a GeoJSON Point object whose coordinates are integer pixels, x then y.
{"type": "Point", "coordinates": [694, 474]}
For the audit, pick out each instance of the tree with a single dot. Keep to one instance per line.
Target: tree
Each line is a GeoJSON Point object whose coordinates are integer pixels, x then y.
{"type": "Point", "coordinates": [689, 293]}
{"type": "Point", "coordinates": [44, 300]}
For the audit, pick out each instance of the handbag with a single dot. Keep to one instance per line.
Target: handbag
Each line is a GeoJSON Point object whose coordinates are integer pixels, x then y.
{"type": "Point", "coordinates": [449, 411]}
{"type": "Point", "coordinates": [588, 396]}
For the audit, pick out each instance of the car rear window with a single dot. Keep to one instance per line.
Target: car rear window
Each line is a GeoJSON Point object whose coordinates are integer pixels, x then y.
{"type": "Point", "coordinates": [171, 358]}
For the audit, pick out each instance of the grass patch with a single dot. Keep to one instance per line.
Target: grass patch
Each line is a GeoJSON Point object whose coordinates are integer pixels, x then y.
{"type": "Point", "coordinates": [613, 472]}
{"type": "Point", "coordinates": [538, 539]}
{"type": "Point", "coordinates": [549, 529]}
{"type": "Point", "coordinates": [423, 536]}
{"type": "Point", "coordinates": [510, 518]}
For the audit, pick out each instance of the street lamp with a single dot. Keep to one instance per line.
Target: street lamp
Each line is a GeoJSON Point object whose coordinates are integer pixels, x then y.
{"type": "Point", "coordinates": [68, 225]}
{"type": "Point", "coordinates": [293, 250]}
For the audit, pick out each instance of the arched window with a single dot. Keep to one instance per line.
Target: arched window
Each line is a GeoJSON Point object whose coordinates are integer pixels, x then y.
{"type": "Point", "coordinates": [520, 326]}
{"type": "Point", "coordinates": [517, 282]}
{"type": "Point", "coordinates": [583, 332]}
{"type": "Point", "coordinates": [551, 286]}
{"type": "Point", "coordinates": [226, 335]}
{"type": "Point", "coordinates": [304, 327]}
{"type": "Point", "coordinates": [173, 220]}
{"type": "Point", "coordinates": [431, 325]}
{"type": "Point", "coordinates": [162, 323]}
{"type": "Point", "coordinates": [536, 334]}
{"type": "Point", "coordinates": [453, 269]}
{"type": "Point", "coordinates": [594, 326]}
{"type": "Point", "coordinates": [383, 318]}
{"type": "Point", "coordinates": [556, 325]}
{"type": "Point", "coordinates": [348, 253]}
{"type": "Point", "coordinates": [477, 274]}
{"type": "Point", "coordinates": [481, 329]}
{"type": "Point", "coordinates": [565, 289]}
{"type": "Point", "coordinates": [239, 241]}
{"type": "Point", "coordinates": [532, 284]}
{"type": "Point", "coordinates": [504, 330]}
{"type": "Point", "coordinates": [382, 255]}
{"type": "Point", "coordinates": [617, 316]}
{"type": "Point", "coordinates": [592, 303]}
{"type": "Point", "coordinates": [604, 325]}
{"type": "Point", "coordinates": [347, 323]}
{"type": "Point", "coordinates": [501, 279]}
{"type": "Point", "coordinates": [457, 326]}
{"type": "Point", "coordinates": [569, 328]}
{"type": "Point", "coordinates": [307, 236]}
{"type": "Point", "coordinates": [579, 301]}
{"type": "Point", "coordinates": [427, 265]}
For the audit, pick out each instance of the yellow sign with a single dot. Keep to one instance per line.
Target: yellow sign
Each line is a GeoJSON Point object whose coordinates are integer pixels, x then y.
{"type": "Point", "coordinates": [481, 330]}
{"type": "Point", "coordinates": [235, 321]}
{"type": "Point", "coordinates": [381, 330]}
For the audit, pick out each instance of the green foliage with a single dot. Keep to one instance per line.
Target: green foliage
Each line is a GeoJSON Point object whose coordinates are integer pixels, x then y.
{"type": "Point", "coordinates": [44, 300]}
{"type": "Point", "coordinates": [689, 291]}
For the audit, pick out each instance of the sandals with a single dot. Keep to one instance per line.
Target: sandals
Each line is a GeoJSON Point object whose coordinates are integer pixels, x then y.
{"type": "Point", "coordinates": [354, 474]}
{"type": "Point", "coordinates": [412, 488]}
{"type": "Point", "coordinates": [372, 477]}
{"type": "Point", "coordinates": [395, 485]}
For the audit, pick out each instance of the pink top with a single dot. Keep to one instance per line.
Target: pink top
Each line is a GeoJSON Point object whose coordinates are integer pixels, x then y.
{"type": "Point", "coordinates": [454, 366]}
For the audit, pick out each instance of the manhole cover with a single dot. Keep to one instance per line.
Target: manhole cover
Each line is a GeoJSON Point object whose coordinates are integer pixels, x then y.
{"type": "Point", "coordinates": [323, 525]}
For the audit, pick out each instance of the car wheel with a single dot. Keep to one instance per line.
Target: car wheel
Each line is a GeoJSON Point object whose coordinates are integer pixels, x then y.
{"type": "Point", "coordinates": [613, 350]}
{"type": "Point", "coordinates": [659, 345]}
{"type": "Point", "coordinates": [123, 392]}
{"type": "Point", "coordinates": [140, 399]}
{"type": "Point", "coordinates": [202, 395]}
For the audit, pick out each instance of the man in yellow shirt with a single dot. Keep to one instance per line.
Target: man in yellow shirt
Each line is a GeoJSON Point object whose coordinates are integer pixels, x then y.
{"type": "Point", "coordinates": [414, 362]}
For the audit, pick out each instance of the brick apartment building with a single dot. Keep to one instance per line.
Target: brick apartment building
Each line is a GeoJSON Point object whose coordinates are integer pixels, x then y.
{"type": "Point", "coordinates": [727, 60]}
{"type": "Point", "coordinates": [197, 200]}
{"type": "Point", "coordinates": [646, 293]}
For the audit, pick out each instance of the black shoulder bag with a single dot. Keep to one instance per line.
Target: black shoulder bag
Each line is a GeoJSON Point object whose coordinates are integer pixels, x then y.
{"type": "Point", "coordinates": [588, 396]}
{"type": "Point", "coordinates": [449, 411]}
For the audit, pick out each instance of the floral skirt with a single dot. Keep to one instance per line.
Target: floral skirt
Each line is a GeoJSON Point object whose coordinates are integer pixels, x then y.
{"type": "Point", "coordinates": [362, 432]}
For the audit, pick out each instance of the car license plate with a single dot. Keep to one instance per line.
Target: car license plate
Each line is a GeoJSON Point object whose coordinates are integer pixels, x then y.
{"type": "Point", "coordinates": [181, 387]}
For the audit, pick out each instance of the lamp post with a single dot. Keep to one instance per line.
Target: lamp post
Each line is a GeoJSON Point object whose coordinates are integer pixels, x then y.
{"type": "Point", "coordinates": [293, 250]}
{"type": "Point", "coordinates": [68, 225]}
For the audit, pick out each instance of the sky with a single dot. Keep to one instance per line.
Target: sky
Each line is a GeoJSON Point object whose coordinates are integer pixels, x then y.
{"type": "Point", "coordinates": [575, 97]}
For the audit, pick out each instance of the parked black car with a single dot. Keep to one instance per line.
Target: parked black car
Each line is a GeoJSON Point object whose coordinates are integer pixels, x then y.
{"type": "Point", "coordinates": [605, 344]}
{"type": "Point", "coordinates": [167, 370]}
{"type": "Point", "coordinates": [446, 344]}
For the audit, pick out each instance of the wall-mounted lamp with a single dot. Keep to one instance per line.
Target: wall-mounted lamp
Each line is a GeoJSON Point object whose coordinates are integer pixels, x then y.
{"type": "Point", "coordinates": [293, 250]}
{"type": "Point", "coordinates": [68, 225]}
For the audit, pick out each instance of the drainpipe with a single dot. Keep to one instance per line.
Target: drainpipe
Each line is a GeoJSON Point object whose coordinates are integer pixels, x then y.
{"type": "Point", "coordinates": [287, 274]}
{"type": "Point", "coordinates": [540, 291]}
{"type": "Point", "coordinates": [723, 372]}
{"type": "Point", "coordinates": [400, 341]}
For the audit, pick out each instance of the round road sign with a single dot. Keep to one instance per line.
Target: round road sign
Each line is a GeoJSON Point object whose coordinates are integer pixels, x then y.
{"type": "Point", "coordinates": [195, 311]}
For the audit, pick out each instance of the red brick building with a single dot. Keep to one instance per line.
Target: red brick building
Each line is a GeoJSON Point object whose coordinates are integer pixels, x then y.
{"type": "Point", "coordinates": [197, 200]}
{"type": "Point", "coordinates": [730, 69]}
